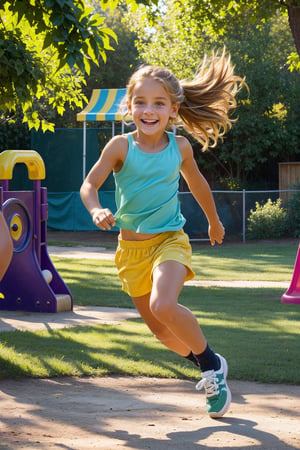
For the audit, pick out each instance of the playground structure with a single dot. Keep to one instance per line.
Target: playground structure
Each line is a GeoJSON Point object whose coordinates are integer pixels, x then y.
{"type": "Point", "coordinates": [31, 282]}
{"type": "Point", "coordinates": [292, 295]}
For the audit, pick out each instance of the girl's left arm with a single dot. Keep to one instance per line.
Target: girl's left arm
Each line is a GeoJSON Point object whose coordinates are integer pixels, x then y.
{"type": "Point", "coordinates": [201, 191]}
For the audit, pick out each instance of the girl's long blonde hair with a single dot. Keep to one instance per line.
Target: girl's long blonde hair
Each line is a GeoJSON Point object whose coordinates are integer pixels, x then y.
{"type": "Point", "coordinates": [205, 101]}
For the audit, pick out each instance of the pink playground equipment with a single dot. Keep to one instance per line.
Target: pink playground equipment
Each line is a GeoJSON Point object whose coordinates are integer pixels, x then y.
{"type": "Point", "coordinates": [31, 282]}
{"type": "Point", "coordinates": [292, 295]}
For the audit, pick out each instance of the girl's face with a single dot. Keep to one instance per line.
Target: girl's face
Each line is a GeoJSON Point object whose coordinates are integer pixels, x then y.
{"type": "Point", "coordinates": [151, 106]}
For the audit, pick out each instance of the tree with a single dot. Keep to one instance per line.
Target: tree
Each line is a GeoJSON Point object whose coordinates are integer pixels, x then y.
{"type": "Point", "coordinates": [121, 62]}
{"type": "Point", "coordinates": [268, 126]}
{"type": "Point", "coordinates": [45, 48]}
{"type": "Point", "coordinates": [112, 74]}
{"type": "Point", "coordinates": [174, 38]}
{"type": "Point", "coordinates": [218, 16]}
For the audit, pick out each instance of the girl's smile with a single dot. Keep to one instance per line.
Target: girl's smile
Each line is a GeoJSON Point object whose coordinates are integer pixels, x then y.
{"type": "Point", "coordinates": [151, 107]}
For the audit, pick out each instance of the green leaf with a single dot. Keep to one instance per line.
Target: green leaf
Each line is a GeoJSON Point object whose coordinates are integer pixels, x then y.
{"type": "Point", "coordinates": [70, 17]}
{"type": "Point", "coordinates": [19, 67]}
{"type": "Point", "coordinates": [61, 3]}
{"type": "Point", "coordinates": [87, 66]}
{"type": "Point", "coordinates": [60, 110]}
{"type": "Point", "coordinates": [57, 19]}
{"type": "Point", "coordinates": [110, 32]}
{"type": "Point", "coordinates": [47, 126]}
{"type": "Point", "coordinates": [47, 41]}
{"type": "Point", "coordinates": [71, 60]}
{"type": "Point", "coordinates": [96, 21]}
{"type": "Point", "coordinates": [49, 3]}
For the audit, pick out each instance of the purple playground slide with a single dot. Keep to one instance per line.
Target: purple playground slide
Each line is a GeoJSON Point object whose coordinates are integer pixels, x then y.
{"type": "Point", "coordinates": [31, 282]}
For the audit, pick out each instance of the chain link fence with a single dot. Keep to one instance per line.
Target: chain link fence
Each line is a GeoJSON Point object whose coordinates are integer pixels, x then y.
{"type": "Point", "coordinates": [66, 211]}
{"type": "Point", "coordinates": [234, 208]}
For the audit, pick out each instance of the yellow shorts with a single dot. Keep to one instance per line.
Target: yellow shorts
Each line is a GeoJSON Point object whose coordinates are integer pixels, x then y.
{"type": "Point", "coordinates": [136, 260]}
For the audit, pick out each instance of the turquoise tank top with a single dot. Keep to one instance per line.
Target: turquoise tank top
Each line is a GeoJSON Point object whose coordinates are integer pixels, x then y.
{"type": "Point", "coordinates": [147, 189]}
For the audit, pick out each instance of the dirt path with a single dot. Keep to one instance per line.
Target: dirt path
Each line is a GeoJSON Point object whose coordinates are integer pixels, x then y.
{"type": "Point", "coordinates": [143, 413]}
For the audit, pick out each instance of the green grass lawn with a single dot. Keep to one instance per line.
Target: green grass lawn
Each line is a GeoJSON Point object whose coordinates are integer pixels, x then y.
{"type": "Point", "coordinates": [259, 261]}
{"type": "Point", "coordinates": [259, 335]}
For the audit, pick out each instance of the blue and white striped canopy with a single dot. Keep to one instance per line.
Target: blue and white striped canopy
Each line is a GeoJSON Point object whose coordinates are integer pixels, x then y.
{"type": "Point", "coordinates": [104, 105]}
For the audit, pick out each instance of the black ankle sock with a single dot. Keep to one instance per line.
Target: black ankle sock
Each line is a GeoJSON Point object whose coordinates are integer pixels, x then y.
{"type": "Point", "coordinates": [208, 360]}
{"type": "Point", "coordinates": [193, 358]}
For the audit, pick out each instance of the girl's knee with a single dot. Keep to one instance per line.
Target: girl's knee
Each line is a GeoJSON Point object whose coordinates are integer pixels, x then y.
{"type": "Point", "coordinates": [163, 309]}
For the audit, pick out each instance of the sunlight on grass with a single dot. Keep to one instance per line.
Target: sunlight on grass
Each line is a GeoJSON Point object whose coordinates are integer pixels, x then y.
{"type": "Point", "coordinates": [252, 269]}
{"type": "Point", "coordinates": [259, 339]}
{"type": "Point", "coordinates": [92, 282]}
{"type": "Point", "coordinates": [256, 332]}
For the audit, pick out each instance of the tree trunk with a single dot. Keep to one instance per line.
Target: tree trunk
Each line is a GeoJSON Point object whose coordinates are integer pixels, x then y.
{"type": "Point", "coordinates": [294, 21]}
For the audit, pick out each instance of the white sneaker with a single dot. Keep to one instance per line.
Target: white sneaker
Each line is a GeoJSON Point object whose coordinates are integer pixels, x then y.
{"type": "Point", "coordinates": [218, 395]}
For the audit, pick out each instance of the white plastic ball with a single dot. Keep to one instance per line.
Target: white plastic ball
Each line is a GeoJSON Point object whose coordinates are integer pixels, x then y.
{"type": "Point", "coordinates": [47, 275]}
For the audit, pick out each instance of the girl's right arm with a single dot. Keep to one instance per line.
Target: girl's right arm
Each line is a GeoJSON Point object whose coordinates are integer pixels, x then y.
{"type": "Point", "coordinates": [112, 158]}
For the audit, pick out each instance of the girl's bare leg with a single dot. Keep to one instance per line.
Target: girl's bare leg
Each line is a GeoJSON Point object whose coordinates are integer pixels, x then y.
{"type": "Point", "coordinates": [173, 325]}
{"type": "Point", "coordinates": [168, 279]}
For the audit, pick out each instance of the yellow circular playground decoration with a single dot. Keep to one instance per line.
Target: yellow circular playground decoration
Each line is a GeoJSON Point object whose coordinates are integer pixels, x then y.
{"type": "Point", "coordinates": [16, 227]}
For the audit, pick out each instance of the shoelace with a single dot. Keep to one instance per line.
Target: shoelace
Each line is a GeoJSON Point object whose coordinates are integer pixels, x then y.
{"type": "Point", "coordinates": [209, 383]}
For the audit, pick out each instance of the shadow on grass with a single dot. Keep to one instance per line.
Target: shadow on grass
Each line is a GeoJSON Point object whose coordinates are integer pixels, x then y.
{"type": "Point", "coordinates": [127, 349]}
{"type": "Point", "coordinates": [258, 335]}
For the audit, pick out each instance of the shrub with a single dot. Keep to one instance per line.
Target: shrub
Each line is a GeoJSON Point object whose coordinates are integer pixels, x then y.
{"type": "Point", "coordinates": [267, 221]}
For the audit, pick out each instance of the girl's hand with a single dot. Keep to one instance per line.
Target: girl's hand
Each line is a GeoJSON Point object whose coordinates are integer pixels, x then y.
{"type": "Point", "coordinates": [103, 219]}
{"type": "Point", "coordinates": [216, 233]}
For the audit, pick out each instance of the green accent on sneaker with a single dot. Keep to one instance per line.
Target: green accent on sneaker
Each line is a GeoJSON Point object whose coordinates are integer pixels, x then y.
{"type": "Point", "coordinates": [218, 395]}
